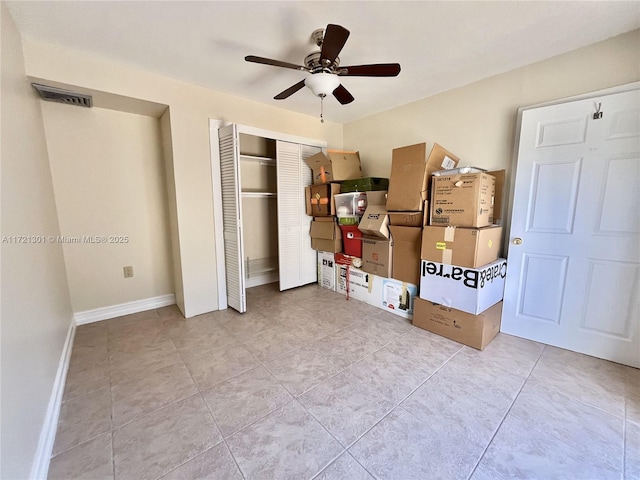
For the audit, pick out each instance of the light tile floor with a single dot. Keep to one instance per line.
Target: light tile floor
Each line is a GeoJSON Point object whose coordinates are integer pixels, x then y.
{"type": "Point", "coordinates": [310, 385]}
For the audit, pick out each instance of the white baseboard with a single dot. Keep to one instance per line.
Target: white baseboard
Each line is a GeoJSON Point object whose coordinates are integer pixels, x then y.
{"type": "Point", "coordinates": [40, 466]}
{"type": "Point", "coordinates": [113, 311]}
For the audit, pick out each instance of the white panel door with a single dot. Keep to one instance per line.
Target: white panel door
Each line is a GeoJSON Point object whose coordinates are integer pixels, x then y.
{"type": "Point", "coordinates": [232, 217]}
{"type": "Point", "coordinates": [573, 277]}
{"type": "Point", "coordinates": [294, 258]}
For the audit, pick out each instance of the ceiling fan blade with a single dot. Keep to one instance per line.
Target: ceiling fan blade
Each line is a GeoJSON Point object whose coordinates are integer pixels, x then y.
{"type": "Point", "coordinates": [343, 95]}
{"type": "Point", "coordinates": [335, 37]}
{"type": "Point", "coordinates": [290, 91]}
{"type": "Point", "coordinates": [275, 63]}
{"type": "Point", "coordinates": [374, 70]}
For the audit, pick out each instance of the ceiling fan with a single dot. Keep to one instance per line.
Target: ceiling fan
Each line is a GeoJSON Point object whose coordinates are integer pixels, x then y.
{"type": "Point", "coordinates": [324, 67]}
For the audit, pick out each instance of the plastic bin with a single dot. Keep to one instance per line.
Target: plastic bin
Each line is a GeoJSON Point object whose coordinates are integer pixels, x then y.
{"type": "Point", "coordinates": [350, 204]}
{"type": "Point", "coordinates": [364, 184]}
{"type": "Point", "coordinates": [351, 240]}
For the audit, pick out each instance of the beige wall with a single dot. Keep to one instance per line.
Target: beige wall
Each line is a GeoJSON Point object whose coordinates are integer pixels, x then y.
{"type": "Point", "coordinates": [167, 149]}
{"type": "Point", "coordinates": [477, 122]}
{"type": "Point", "coordinates": [109, 180]}
{"type": "Point", "coordinates": [36, 311]}
{"type": "Point", "coordinates": [191, 107]}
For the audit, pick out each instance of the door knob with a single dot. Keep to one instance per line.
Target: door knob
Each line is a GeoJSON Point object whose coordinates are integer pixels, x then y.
{"type": "Point", "coordinates": [517, 241]}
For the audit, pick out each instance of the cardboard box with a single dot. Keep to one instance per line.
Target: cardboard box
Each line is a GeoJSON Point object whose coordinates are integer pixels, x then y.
{"type": "Point", "coordinates": [385, 293]}
{"type": "Point", "coordinates": [327, 271]}
{"type": "Point", "coordinates": [320, 199]}
{"type": "Point", "coordinates": [498, 195]}
{"type": "Point", "coordinates": [393, 296]}
{"type": "Point", "coordinates": [354, 281]}
{"type": "Point", "coordinates": [464, 247]}
{"type": "Point", "coordinates": [411, 175]}
{"type": "Point", "coordinates": [375, 221]}
{"type": "Point", "coordinates": [335, 166]}
{"type": "Point", "coordinates": [377, 256]}
{"type": "Point", "coordinates": [343, 259]}
{"type": "Point", "coordinates": [351, 240]}
{"type": "Point", "coordinates": [473, 330]}
{"type": "Point", "coordinates": [410, 219]}
{"type": "Point", "coordinates": [325, 235]}
{"type": "Point", "coordinates": [471, 290]}
{"type": "Point", "coordinates": [407, 242]}
{"type": "Point", "coordinates": [463, 200]}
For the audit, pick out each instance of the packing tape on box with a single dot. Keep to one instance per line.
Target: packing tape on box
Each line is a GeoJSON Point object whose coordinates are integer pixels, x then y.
{"type": "Point", "coordinates": [449, 233]}
{"type": "Point", "coordinates": [347, 282]}
{"type": "Point", "coordinates": [404, 297]}
{"type": "Point", "coordinates": [370, 283]}
{"type": "Point", "coordinates": [318, 200]}
{"type": "Point", "coordinates": [447, 253]}
{"type": "Point", "coordinates": [323, 175]}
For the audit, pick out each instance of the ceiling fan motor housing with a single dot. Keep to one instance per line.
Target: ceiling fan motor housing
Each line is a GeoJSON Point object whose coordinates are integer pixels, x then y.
{"type": "Point", "coordinates": [314, 63]}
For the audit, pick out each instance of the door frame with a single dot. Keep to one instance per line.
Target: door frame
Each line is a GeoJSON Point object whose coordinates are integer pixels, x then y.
{"type": "Point", "coordinates": [506, 241]}
{"type": "Point", "coordinates": [216, 186]}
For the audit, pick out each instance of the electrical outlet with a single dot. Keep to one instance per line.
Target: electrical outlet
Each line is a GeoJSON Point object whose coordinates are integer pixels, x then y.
{"type": "Point", "coordinates": [128, 271]}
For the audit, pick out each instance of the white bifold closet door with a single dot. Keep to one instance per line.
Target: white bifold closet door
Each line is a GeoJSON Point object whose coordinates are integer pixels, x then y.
{"type": "Point", "coordinates": [297, 261]}
{"type": "Point", "coordinates": [232, 217]}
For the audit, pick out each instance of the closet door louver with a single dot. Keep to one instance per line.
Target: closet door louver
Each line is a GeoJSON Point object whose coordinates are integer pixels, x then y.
{"type": "Point", "coordinates": [232, 217]}
{"type": "Point", "coordinates": [297, 261]}
{"type": "Point", "coordinates": [289, 201]}
{"type": "Point", "coordinates": [308, 256]}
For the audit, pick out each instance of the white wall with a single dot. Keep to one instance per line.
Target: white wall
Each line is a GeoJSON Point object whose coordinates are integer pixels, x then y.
{"type": "Point", "coordinates": [477, 122]}
{"type": "Point", "coordinates": [36, 310]}
{"type": "Point", "coordinates": [190, 108]}
{"type": "Point", "coordinates": [109, 181]}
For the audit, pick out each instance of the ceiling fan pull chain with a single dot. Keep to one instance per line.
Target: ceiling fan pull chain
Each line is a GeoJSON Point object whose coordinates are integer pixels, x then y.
{"type": "Point", "coordinates": [322, 108]}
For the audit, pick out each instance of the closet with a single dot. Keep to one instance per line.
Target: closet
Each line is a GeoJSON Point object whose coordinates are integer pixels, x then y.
{"type": "Point", "coordinates": [265, 228]}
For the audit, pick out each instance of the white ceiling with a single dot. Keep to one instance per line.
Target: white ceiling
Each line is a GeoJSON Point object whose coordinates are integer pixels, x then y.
{"type": "Point", "coordinates": [440, 45]}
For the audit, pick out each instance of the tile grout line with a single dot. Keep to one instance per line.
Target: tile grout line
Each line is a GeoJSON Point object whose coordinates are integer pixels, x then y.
{"type": "Point", "coordinates": [583, 402]}
{"type": "Point", "coordinates": [484, 451]}
{"type": "Point", "coordinates": [624, 449]}
{"type": "Point", "coordinates": [214, 421]}
{"type": "Point", "coordinates": [624, 433]}
{"type": "Point", "coordinates": [399, 404]}
{"type": "Point", "coordinates": [113, 450]}
{"type": "Point", "coordinates": [296, 397]}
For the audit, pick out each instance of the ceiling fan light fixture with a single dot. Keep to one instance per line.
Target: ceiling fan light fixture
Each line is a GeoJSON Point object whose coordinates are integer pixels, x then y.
{"type": "Point", "coordinates": [322, 84]}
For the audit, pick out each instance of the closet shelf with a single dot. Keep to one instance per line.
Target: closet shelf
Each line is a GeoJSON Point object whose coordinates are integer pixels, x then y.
{"type": "Point", "coordinates": [268, 161]}
{"type": "Point", "coordinates": [256, 267]}
{"type": "Point", "coordinates": [259, 194]}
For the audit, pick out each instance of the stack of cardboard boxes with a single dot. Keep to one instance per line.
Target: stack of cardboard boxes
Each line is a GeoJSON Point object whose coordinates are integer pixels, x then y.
{"type": "Point", "coordinates": [408, 203]}
{"type": "Point", "coordinates": [432, 233]}
{"type": "Point", "coordinates": [461, 275]}
{"type": "Point", "coordinates": [328, 171]}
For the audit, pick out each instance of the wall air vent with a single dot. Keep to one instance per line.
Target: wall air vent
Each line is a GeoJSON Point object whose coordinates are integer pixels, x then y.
{"type": "Point", "coordinates": [53, 94]}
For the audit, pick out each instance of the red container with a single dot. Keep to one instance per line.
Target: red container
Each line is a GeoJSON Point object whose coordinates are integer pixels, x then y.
{"type": "Point", "coordinates": [351, 240]}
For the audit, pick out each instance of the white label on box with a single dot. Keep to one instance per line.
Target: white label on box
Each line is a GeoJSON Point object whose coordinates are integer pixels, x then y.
{"type": "Point", "coordinates": [358, 282]}
{"type": "Point", "coordinates": [448, 163]}
{"type": "Point", "coordinates": [387, 294]}
{"type": "Point", "coordinates": [326, 271]}
{"type": "Point", "coordinates": [398, 296]}
{"type": "Point", "coordinates": [471, 290]}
